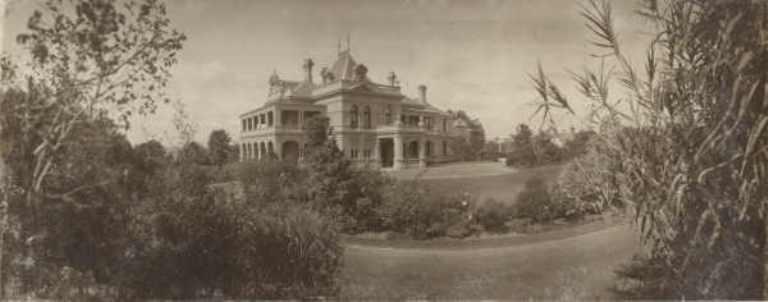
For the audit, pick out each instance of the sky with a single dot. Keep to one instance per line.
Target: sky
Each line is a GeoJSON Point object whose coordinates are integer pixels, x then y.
{"type": "Point", "coordinates": [472, 55]}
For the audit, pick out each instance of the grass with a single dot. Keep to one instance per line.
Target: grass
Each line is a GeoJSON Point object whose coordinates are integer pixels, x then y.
{"type": "Point", "coordinates": [579, 267]}
{"type": "Point", "coordinates": [502, 187]}
{"type": "Point", "coordinates": [574, 263]}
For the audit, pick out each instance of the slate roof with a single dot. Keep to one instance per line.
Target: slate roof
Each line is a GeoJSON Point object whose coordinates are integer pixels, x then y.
{"type": "Point", "coordinates": [344, 67]}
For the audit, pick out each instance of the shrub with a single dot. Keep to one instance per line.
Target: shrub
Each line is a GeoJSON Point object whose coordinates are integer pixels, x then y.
{"type": "Point", "coordinates": [562, 199]}
{"type": "Point", "coordinates": [271, 180]}
{"type": "Point", "coordinates": [189, 245]}
{"type": "Point", "coordinates": [492, 215]}
{"type": "Point", "coordinates": [535, 202]}
{"type": "Point", "coordinates": [287, 252]}
{"type": "Point", "coordinates": [413, 210]}
{"type": "Point", "coordinates": [367, 188]}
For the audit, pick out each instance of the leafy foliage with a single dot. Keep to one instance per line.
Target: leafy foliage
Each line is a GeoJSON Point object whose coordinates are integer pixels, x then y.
{"type": "Point", "coordinates": [493, 215]}
{"type": "Point", "coordinates": [192, 245]}
{"type": "Point", "coordinates": [90, 60]}
{"type": "Point", "coordinates": [687, 144]}
{"type": "Point", "coordinates": [220, 148]}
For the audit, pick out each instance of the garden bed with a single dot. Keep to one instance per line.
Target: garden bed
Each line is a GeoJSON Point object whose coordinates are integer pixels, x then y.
{"type": "Point", "coordinates": [517, 235]}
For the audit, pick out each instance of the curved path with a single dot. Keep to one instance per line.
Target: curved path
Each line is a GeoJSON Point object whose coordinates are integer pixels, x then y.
{"type": "Point", "coordinates": [578, 267]}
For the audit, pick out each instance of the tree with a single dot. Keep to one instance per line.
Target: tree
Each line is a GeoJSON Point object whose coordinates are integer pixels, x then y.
{"type": "Point", "coordinates": [149, 159]}
{"type": "Point", "coordinates": [522, 137]}
{"type": "Point", "coordinates": [690, 143]}
{"type": "Point", "coordinates": [219, 147]}
{"type": "Point", "coordinates": [90, 59]}
{"type": "Point", "coordinates": [522, 153]}
{"type": "Point", "coordinates": [195, 153]}
{"type": "Point", "coordinates": [577, 145]}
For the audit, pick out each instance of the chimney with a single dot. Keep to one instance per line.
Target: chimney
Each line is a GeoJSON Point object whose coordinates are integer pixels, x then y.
{"type": "Point", "coordinates": [423, 94]}
{"type": "Point", "coordinates": [308, 64]}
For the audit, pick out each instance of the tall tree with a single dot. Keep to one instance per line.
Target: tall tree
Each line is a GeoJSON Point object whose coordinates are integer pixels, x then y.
{"type": "Point", "coordinates": [90, 60]}
{"type": "Point", "coordinates": [219, 147]}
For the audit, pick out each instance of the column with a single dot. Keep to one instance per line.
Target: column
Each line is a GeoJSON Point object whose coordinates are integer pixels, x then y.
{"type": "Point", "coordinates": [422, 153]}
{"type": "Point", "coordinates": [398, 146]}
{"type": "Point", "coordinates": [301, 119]}
{"type": "Point", "coordinates": [278, 148]}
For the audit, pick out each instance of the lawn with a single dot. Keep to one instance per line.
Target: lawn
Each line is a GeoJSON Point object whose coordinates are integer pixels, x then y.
{"type": "Point", "coordinates": [502, 187]}
{"type": "Point", "coordinates": [579, 267]}
{"type": "Point", "coordinates": [571, 263]}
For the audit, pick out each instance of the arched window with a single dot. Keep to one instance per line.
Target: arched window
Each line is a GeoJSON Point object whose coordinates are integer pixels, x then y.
{"type": "Point", "coordinates": [354, 117]}
{"type": "Point", "coordinates": [388, 115]}
{"type": "Point", "coordinates": [413, 149]}
{"type": "Point", "coordinates": [367, 117]}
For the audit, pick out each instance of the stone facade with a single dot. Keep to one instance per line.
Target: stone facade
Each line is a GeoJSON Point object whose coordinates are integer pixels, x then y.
{"type": "Point", "coordinates": [374, 124]}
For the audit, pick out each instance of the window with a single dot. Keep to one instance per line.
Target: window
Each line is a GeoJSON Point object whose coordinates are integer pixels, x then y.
{"type": "Point", "coordinates": [367, 117]}
{"type": "Point", "coordinates": [445, 125]}
{"type": "Point", "coordinates": [263, 118]}
{"type": "Point", "coordinates": [413, 149]}
{"type": "Point", "coordinates": [428, 122]}
{"type": "Point", "coordinates": [413, 120]}
{"type": "Point", "coordinates": [270, 118]}
{"type": "Point", "coordinates": [245, 125]}
{"type": "Point", "coordinates": [445, 148]}
{"type": "Point", "coordinates": [354, 117]}
{"type": "Point", "coordinates": [367, 153]}
{"type": "Point", "coordinates": [388, 115]}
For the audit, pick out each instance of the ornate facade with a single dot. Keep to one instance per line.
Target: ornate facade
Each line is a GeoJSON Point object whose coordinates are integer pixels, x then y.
{"type": "Point", "coordinates": [374, 124]}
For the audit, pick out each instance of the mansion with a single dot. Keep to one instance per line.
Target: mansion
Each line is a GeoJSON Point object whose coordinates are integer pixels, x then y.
{"type": "Point", "coordinates": [373, 124]}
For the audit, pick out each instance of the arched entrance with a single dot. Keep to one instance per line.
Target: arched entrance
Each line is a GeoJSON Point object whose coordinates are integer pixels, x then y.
{"type": "Point", "coordinates": [413, 150]}
{"type": "Point", "coordinates": [290, 151]}
{"type": "Point", "coordinates": [387, 152]}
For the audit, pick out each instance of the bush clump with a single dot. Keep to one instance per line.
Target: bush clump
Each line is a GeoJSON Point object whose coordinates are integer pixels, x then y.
{"type": "Point", "coordinates": [190, 244]}
{"type": "Point", "coordinates": [411, 209]}
{"type": "Point", "coordinates": [536, 202]}
{"type": "Point", "coordinates": [493, 215]}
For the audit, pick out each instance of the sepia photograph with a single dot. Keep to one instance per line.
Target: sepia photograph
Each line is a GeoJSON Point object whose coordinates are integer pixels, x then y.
{"type": "Point", "coordinates": [514, 150]}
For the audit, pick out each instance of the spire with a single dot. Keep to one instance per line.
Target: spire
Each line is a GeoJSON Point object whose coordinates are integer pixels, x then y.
{"type": "Point", "coordinates": [349, 42]}
{"type": "Point", "coordinates": [274, 79]}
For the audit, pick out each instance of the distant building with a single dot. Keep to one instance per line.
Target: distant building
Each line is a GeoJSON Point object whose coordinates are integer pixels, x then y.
{"type": "Point", "coordinates": [374, 124]}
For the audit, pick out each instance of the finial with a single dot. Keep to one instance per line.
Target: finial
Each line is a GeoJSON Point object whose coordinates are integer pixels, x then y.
{"type": "Point", "coordinates": [349, 42]}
